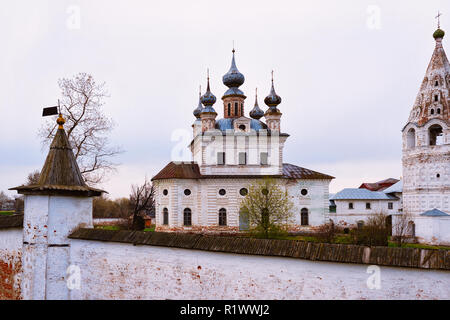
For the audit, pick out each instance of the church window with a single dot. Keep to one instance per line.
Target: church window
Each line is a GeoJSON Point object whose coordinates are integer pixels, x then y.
{"type": "Point", "coordinates": [436, 83]}
{"type": "Point", "coordinates": [242, 127]}
{"type": "Point", "coordinates": [242, 109]}
{"type": "Point", "coordinates": [411, 139]}
{"type": "Point", "coordinates": [243, 192]}
{"type": "Point", "coordinates": [229, 109]}
{"type": "Point", "coordinates": [220, 158]}
{"type": "Point", "coordinates": [222, 192]}
{"type": "Point", "coordinates": [304, 192]}
{"type": "Point", "coordinates": [187, 217]}
{"type": "Point", "coordinates": [435, 135]}
{"type": "Point", "coordinates": [438, 111]}
{"type": "Point", "coordinates": [187, 192]}
{"type": "Point", "coordinates": [436, 98]}
{"type": "Point", "coordinates": [350, 205]}
{"type": "Point", "coordinates": [390, 205]}
{"type": "Point", "coordinates": [222, 217]}
{"type": "Point", "coordinates": [264, 158]}
{"type": "Point", "coordinates": [304, 217]}
{"type": "Point", "coordinates": [165, 216]}
{"type": "Point", "coordinates": [438, 176]}
{"type": "Point", "coordinates": [368, 205]}
{"type": "Point", "coordinates": [432, 111]}
{"type": "Point", "coordinates": [242, 158]}
{"type": "Point", "coordinates": [165, 192]}
{"type": "Point", "coordinates": [236, 110]}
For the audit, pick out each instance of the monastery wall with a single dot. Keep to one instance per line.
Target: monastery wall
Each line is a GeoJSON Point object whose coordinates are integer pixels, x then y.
{"type": "Point", "coordinates": [10, 263]}
{"type": "Point", "coordinates": [125, 271]}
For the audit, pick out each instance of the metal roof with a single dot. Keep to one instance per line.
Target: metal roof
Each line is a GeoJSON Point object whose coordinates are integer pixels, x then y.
{"type": "Point", "coordinates": [361, 194]}
{"type": "Point", "coordinates": [395, 188]}
{"type": "Point", "coordinates": [434, 213]}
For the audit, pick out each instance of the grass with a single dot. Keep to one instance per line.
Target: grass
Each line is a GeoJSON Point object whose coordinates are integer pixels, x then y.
{"type": "Point", "coordinates": [417, 245]}
{"type": "Point", "coordinates": [6, 213]}
{"type": "Point", "coordinates": [151, 229]}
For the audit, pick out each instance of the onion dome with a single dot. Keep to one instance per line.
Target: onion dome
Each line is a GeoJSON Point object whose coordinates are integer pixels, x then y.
{"type": "Point", "coordinates": [233, 79]}
{"type": "Point", "coordinates": [439, 34]}
{"type": "Point", "coordinates": [199, 108]}
{"type": "Point", "coordinates": [256, 112]}
{"type": "Point", "coordinates": [208, 99]}
{"type": "Point", "coordinates": [272, 100]}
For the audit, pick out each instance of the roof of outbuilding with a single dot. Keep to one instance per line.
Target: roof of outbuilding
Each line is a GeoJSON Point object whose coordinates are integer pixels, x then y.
{"type": "Point", "coordinates": [395, 188]}
{"type": "Point", "coordinates": [435, 213]}
{"type": "Point", "coordinates": [191, 170]}
{"type": "Point", "coordinates": [361, 194]}
{"type": "Point", "coordinates": [14, 221]}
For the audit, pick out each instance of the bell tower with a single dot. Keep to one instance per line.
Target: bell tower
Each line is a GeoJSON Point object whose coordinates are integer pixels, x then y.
{"type": "Point", "coordinates": [426, 145]}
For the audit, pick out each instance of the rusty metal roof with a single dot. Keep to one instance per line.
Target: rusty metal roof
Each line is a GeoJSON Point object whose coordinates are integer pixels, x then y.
{"type": "Point", "coordinates": [14, 221]}
{"type": "Point", "coordinates": [60, 173]}
{"type": "Point", "coordinates": [191, 170]}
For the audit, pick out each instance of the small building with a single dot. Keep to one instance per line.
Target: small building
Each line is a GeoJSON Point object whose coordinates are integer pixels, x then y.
{"type": "Point", "coordinates": [353, 205]}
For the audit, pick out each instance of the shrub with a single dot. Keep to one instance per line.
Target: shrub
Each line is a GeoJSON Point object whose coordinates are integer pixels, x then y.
{"type": "Point", "coordinates": [326, 232]}
{"type": "Point", "coordinates": [374, 232]}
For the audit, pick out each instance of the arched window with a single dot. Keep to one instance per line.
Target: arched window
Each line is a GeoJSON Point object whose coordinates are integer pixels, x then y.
{"type": "Point", "coordinates": [432, 111]}
{"type": "Point", "coordinates": [436, 98]}
{"type": "Point", "coordinates": [242, 109]}
{"type": "Point", "coordinates": [304, 217]}
{"type": "Point", "coordinates": [223, 217]}
{"type": "Point", "coordinates": [187, 217]}
{"type": "Point", "coordinates": [165, 216]}
{"type": "Point", "coordinates": [411, 139]}
{"type": "Point", "coordinates": [412, 228]}
{"type": "Point", "coordinates": [229, 110]}
{"type": "Point", "coordinates": [236, 108]}
{"type": "Point", "coordinates": [438, 111]}
{"type": "Point", "coordinates": [435, 135]}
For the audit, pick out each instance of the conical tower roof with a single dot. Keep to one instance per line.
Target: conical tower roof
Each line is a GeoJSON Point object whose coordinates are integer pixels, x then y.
{"type": "Point", "coordinates": [433, 97]}
{"type": "Point", "coordinates": [60, 173]}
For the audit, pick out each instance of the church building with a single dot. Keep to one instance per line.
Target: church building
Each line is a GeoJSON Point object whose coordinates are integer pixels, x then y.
{"type": "Point", "coordinates": [229, 155]}
{"type": "Point", "coordinates": [426, 153]}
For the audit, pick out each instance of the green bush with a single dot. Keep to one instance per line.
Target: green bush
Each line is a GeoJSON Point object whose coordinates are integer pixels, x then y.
{"type": "Point", "coordinates": [374, 232]}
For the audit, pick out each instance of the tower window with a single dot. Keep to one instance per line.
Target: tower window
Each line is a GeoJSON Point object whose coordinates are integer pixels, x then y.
{"type": "Point", "coordinates": [242, 127]}
{"type": "Point", "coordinates": [438, 176]}
{"type": "Point", "coordinates": [435, 134]}
{"type": "Point", "coordinates": [304, 192]}
{"type": "Point", "coordinates": [229, 110]}
{"type": "Point", "coordinates": [432, 111]}
{"type": "Point", "coordinates": [165, 192]}
{"type": "Point", "coordinates": [243, 192]}
{"type": "Point", "coordinates": [436, 98]}
{"type": "Point", "coordinates": [436, 83]}
{"type": "Point", "coordinates": [223, 217]}
{"type": "Point", "coordinates": [242, 158]}
{"type": "Point", "coordinates": [411, 138]}
{"type": "Point", "coordinates": [236, 108]}
{"type": "Point", "coordinates": [222, 192]}
{"type": "Point", "coordinates": [242, 109]}
{"type": "Point", "coordinates": [264, 158]}
{"type": "Point", "coordinates": [187, 192]}
{"type": "Point", "coordinates": [438, 111]}
{"type": "Point", "coordinates": [221, 158]}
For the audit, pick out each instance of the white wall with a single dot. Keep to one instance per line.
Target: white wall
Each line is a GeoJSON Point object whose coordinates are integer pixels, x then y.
{"type": "Point", "coordinates": [10, 263]}
{"type": "Point", "coordinates": [346, 216]}
{"type": "Point", "coordinates": [124, 271]}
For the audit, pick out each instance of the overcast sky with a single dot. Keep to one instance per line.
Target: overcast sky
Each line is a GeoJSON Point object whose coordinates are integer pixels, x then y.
{"type": "Point", "coordinates": [347, 79]}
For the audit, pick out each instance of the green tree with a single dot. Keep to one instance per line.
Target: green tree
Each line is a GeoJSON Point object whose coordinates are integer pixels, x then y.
{"type": "Point", "coordinates": [267, 209]}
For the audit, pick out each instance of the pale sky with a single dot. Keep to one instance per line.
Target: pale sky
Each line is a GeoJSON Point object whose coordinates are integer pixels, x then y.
{"type": "Point", "coordinates": [347, 79]}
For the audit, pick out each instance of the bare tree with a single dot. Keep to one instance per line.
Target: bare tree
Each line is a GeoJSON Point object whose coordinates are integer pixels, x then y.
{"type": "Point", "coordinates": [142, 202]}
{"type": "Point", "coordinates": [267, 208]}
{"type": "Point", "coordinates": [33, 177]}
{"type": "Point", "coordinates": [86, 125]}
{"type": "Point", "coordinates": [401, 228]}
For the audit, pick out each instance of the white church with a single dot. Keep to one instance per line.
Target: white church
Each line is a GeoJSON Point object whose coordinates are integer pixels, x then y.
{"type": "Point", "coordinates": [229, 155]}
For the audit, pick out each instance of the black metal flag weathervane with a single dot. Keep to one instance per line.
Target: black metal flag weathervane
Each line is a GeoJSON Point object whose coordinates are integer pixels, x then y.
{"type": "Point", "coordinates": [51, 111]}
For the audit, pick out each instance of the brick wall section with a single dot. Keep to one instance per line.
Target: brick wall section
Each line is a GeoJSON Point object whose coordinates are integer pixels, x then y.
{"type": "Point", "coordinates": [397, 257]}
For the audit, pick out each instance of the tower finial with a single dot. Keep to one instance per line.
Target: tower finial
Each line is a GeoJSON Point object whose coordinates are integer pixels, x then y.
{"type": "Point", "coordinates": [272, 76]}
{"type": "Point", "coordinates": [438, 17]}
{"type": "Point", "coordinates": [233, 48]}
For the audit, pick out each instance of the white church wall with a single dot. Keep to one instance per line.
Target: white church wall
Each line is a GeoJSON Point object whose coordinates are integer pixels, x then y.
{"type": "Point", "coordinates": [433, 230]}
{"type": "Point", "coordinates": [124, 271]}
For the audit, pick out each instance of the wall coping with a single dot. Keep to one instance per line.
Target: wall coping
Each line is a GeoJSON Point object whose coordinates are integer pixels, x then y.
{"type": "Point", "coordinates": [345, 253]}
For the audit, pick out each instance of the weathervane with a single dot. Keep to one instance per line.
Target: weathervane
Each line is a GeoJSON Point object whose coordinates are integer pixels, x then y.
{"type": "Point", "coordinates": [438, 17]}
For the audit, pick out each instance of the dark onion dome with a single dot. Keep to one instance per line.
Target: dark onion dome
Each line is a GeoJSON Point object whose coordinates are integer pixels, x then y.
{"type": "Point", "coordinates": [439, 34]}
{"type": "Point", "coordinates": [272, 100]}
{"type": "Point", "coordinates": [233, 79]}
{"type": "Point", "coordinates": [199, 108]}
{"type": "Point", "coordinates": [208, 99]}
{"type": "Point", "coordinates": [256, 112]}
